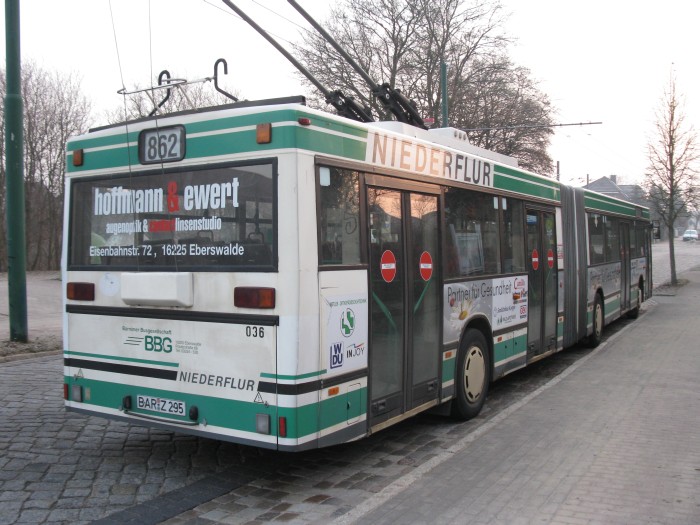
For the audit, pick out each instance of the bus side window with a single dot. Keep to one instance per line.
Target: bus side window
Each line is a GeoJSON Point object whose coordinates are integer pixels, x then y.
{"type": "Point", "coordinates": [596, 234]}
{"type": "Point", "coordinates": [642, 234]}
{"type": "Point", "coordinates": [472, 233]}
{"type": "Point", "coordinates": [339, 217]}
{"type": "Point", "coordinates": [513, 244]}
{"type": "Point", "coordinates": [612, 239]}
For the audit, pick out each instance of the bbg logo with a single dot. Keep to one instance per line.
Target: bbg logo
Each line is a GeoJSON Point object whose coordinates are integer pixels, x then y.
{"type": "Point", "coordinates": [154, 343]}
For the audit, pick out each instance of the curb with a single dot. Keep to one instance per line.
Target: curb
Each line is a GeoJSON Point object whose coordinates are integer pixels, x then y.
{"type": "Point", "coordinates": [28, 355]}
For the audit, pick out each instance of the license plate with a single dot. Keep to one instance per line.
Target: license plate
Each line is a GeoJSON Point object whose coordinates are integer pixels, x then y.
{"type": "Point", "coordinates": [159, 404]}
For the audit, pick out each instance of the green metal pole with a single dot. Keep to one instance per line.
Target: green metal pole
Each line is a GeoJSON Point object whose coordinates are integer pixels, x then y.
{"type": "Point", "coordinates": [14, 169]}
{"type": "Point", "coordinates": [443, 89]}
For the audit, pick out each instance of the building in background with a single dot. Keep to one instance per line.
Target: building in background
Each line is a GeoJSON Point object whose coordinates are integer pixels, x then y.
{"type": "Point", "coordinates": [633, 193]}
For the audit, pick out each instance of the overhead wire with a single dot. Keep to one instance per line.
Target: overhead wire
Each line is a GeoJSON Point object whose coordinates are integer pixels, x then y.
{"type": "Point", "coordinates": [278, 37]}
{"type": "Point", "coordinates": [119, 60]}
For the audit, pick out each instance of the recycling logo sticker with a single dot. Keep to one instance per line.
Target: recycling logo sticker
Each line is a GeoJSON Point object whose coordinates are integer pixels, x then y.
{"type": "Point", "coordinates": [347, 322]}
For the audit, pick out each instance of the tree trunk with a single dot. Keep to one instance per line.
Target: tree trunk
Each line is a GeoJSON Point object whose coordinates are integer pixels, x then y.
{"type": "Point", "coordinates": [672, 255]}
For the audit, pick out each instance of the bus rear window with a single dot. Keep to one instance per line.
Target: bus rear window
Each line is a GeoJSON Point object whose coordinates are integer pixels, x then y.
{"type": "Point", "coordinates": [205, 218]}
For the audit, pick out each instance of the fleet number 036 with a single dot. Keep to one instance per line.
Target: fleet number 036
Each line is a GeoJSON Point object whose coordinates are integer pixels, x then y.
{"type": "Point", "coordinates": [255, 331]}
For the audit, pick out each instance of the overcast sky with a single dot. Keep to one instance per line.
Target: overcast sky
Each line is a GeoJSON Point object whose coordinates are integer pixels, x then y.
{"type": "Point", "coordinates": [599, 61]}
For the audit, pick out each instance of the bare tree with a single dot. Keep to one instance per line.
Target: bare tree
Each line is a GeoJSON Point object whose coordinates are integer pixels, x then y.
{"type": "Point", "coordinates": [404, 42]}
{"type": "Point", "coordinates": [671, 178]}
{"type": "Point", "coordinates": [507, 113]}
{"type": "Point", "coordinates": [462, 34]}
{"type": "Point", "coordinates": [54, 110]}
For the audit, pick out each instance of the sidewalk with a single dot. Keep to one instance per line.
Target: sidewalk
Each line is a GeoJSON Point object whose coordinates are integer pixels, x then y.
{"type": "Point", "coordinates": [44, 320]}
{"type": "Point", "coordinates": [615, 439]}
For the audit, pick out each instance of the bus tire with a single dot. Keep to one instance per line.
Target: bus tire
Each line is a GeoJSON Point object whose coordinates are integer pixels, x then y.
{"type": "Point", "coordinates": [634, 312]}
{"type": "Point", "coordinates": [598, 322]}
{"type": "Point", "coordinates": [473, 375]}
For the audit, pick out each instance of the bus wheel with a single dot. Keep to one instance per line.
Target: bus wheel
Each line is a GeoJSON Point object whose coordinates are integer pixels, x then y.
{"type": "Point", "coordinates": [473, 375]}
{"type": "Point", "coordinates": [598, 321]}
{"type": "Point", "coordinates": [634, 312]}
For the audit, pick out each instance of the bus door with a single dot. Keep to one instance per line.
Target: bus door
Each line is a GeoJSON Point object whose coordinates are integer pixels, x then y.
{"type": "Point", "coordinates": [404, 340]}
{"type": "Point", "coordinates": [542, 285]}
{"type": "Point", "coordinates": [625, 270]}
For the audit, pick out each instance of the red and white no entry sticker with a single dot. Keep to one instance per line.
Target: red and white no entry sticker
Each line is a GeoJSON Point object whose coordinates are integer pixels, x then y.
{"type": "Point", "coordinates": [535, 259]}
{"type": "Point", "coordinates": [388, 266]}
{"type": "Point", "coordinates": [426, 266]}
{"type": "Point", "coordinates": [550, 258]}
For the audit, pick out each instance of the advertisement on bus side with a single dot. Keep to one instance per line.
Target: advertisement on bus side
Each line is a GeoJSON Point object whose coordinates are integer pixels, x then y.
{"type": "Point", "coordinates": [502, 300]}
{"type": "Point", "coordinates": [345, 333]}
{"type": "Point", "coordinates": [606, 277]}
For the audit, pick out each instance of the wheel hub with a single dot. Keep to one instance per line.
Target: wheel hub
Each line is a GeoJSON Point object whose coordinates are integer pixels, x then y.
{"type": "Point", "coordinates": [474, 373]}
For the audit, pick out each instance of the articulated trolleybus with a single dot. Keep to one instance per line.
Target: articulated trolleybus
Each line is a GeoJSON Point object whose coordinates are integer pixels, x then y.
{"type": "Point", "coordinates": [278, 276]}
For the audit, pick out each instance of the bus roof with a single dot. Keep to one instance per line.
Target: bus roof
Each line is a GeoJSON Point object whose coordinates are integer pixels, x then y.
{"type": "Point", "coordinates": [218, 134]}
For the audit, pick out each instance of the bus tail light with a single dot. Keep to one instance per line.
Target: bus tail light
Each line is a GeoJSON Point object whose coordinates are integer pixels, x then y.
{"type": "Point", "coordinates": [80, 291]}
{"type": "Point", "coordinates": [283, 427]}
{"type": "Point", "coordinates": [76, 393]}
{"type": "Point", "coordinates": [262, 423]}
{"type": "Point", "coordinates": [253, 297]}
{"type": "Point", "coordinates": [65, 391]}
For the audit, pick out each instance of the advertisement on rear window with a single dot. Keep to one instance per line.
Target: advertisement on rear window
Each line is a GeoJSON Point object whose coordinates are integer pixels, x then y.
{"type": "Point", "coordinates": [207, 217]}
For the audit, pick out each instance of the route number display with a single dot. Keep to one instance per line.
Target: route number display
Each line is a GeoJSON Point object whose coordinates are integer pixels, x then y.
{"type": "Point", "coordinates": [162, 145]}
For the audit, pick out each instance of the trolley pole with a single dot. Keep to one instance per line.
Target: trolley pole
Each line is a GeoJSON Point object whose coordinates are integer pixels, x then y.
{"type": "Point", "coordinates": [14, 169]}
{"type": "Point", "coordinates": [443, 88]}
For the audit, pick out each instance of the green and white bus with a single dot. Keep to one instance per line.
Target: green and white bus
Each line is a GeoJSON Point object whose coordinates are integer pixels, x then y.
{"type": "Point", "coordinates": [277, 276]}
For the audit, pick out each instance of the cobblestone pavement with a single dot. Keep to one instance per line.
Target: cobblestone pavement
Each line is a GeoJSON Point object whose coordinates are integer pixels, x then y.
{"type": "Point", "coordinates": [58, 467]}
{"type": "Point", "coordinates": [68, 468]}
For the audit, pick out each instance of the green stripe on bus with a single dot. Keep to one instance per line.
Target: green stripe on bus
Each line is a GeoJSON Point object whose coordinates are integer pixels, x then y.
{"type": "Point", "coordinates": [605, 203]}
{"type": "Point", "coordinates": [507, 349]}
{"type": "Point", "coordinates": [252, 119]}
{"type": "Point", "coordinates": [331, 145]}
{"type": "Point", "coordinates": [448, 368]}
{"type": "Point", "coordinates": [229, 123]}
{"type": "Point", "coordinates": [237, 141]}
{"type": "Point", "coordinates": [522, 175]}
{"type": "Point", "coordinates": [502, 351]}
{"type": "Point", "coordinates": [288, 377]}
{"type": "Point", "coordinates": [107, 159]}
{"type": "Point", "coordinates": [517, 181]}
{"type": "Point", "coordinates": [88, 141]}
{"type": "Point", "coordinates": [302, 421]}
{"type": "Point", "coordinates": [118, 358]}
{"type": "Point", "coordinates": [316, 417]}
{"type": "Point", "coordinates": [216, 411]}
